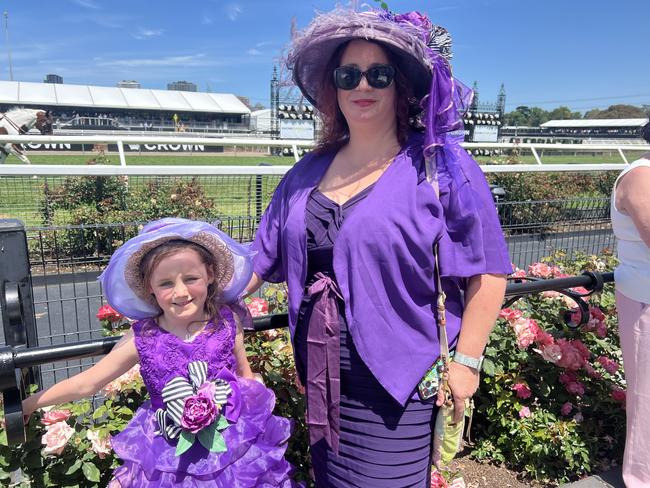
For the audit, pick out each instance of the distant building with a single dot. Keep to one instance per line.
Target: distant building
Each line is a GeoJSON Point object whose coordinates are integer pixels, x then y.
{"type": "Point", "coordinates": [52, 78]}
{"type": "Point", "coordinates": [579, 131]}
{"type": "Point", "coordinates": [128, 84]}
{"type": "Point", "coordinates": [187, 86]}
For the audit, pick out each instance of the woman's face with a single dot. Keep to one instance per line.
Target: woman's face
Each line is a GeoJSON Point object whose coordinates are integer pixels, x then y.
{"type": "Point", "coordinates": [364, 104]}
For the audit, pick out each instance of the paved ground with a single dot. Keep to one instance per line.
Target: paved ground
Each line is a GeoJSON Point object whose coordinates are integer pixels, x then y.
{"type": "Point", "coordinates": [610, 479]}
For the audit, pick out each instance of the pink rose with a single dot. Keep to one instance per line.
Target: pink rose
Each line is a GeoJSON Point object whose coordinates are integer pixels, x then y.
{"type": "Point", "coordinates": [566, 408]}
{"type": "Point", "coordinates": [543, 338]}
{"type": "Point", "coordinates": [610, 365]}
{"type": "Point", "coordinates": [100, 446]}
{"type": "Point", "coordinates": [522, 390]}
{"type": "Point", "coordinates": [618, 394]}
{"type": "Point", "coordinates": [526, 330]}
{"type": "Point", "coordinates": [575, 388]}
{"type": "Point", "coordinates": [551, 353]}
{"type": "Point", "coordinates": [543, 270]}
{"type": "Point", "coordinates": [568, 377]}
{"type": "Point", "coordinates": [54, 416]}
{"type": "Point", "coordinates": [106, 312]}
{"type": "Point", "coordinates": [438, 480]}
{"type": "Point", "coordinates": [56, 437]}
{"type": "Point", "coordinates": [572, 355]}
{"type": "Point", "coordinates": [592, 373]}
{"type": "Point", "coordinates": [524, 413]}
{"type": "Point", "coordinates": [510, 314]}
{"type": "Point", "coordinates": [519, 273]}
{"type": "Point", "coordinates": [258, 306]}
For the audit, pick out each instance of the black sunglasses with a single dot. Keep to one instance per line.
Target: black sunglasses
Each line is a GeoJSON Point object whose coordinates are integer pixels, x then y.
{"type": "Point", "coordinates": [348, 77]}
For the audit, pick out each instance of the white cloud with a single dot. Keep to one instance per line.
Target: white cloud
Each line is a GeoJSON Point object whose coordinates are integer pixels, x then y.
{"type": "Point", "coordinates": [205, 20]}
{"type": "Point", "coordinates": [87, 4]}
{"type": "Point", "coordinates": [185, 61]}
{"type": "Point", "coordinates": [148, 33]}
{"type": "Point", "coordinates": [233, 10]}
{"type": "Point", "coordinates": [254, 52]}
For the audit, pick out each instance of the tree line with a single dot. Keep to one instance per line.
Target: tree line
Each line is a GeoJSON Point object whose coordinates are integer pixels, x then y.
{"type": "Point", "coordinates": [535, 116]}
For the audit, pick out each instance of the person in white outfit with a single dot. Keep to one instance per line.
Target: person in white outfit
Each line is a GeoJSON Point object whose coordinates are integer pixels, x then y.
{"type": "Point", "coordinates": [630, 211]}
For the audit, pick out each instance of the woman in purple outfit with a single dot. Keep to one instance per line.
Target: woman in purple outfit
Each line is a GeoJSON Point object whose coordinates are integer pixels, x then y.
{"type": "Point", "coordinates": [208, 423]}
{"type": "Point", "coordinates": [351, 228]}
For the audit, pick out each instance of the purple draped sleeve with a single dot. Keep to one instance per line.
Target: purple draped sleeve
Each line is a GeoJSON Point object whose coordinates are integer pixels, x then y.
{"type": "Point", "coordinates": [474, 243]}
{"type": "Point", "coordinates": [267, 262]}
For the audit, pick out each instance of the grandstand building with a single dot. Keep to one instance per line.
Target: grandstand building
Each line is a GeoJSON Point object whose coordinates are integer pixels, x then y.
{"type": "Point", "coordinates": [115, 108]}
{"type": "Point", "coordinates": [579, 131]}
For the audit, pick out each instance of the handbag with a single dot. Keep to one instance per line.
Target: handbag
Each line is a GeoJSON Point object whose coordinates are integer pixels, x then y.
{"type": "Point", "coordinates": [447, 434]}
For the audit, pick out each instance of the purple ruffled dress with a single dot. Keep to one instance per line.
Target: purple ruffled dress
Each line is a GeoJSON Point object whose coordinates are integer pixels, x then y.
{"type": "Point", "coordinates": [255, 443]}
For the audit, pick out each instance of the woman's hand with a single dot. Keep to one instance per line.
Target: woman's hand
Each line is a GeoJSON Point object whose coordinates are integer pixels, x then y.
{"type": "Point", "coordinates": [463, 383]}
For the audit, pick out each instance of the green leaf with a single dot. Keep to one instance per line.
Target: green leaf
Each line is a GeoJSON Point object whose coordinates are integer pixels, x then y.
{"type": "Point", "coordinates": [185, 441]}
{"type": "Point", "coordinates": [74, 468]}
{"type": "Point", "coordinates": [488, 367]}
{"type": "Point", "coordinates": [91, 472]}
{"type": "Point", "coordinates": [212, 439]}
{"type": "Point", "coordinates": [222, 423]}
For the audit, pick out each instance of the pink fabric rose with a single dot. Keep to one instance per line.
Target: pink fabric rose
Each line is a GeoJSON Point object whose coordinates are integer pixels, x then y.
{"type": "Point", "coordinates": [524, 413]}
{"type": "Point", "coordinates": [543, 338]}
{"type": "Point", "coordinates": [54, 416]}
{"type": "Point", "coordinates": [207, 390]}
{"type": "Point", "coordinates": [522, 390]}
{"type": "Point", "coordinates": [566, 408]}
{"type": "Point", "coordinates": [543, 270]}
{"type": "Point", "coordinates": [56, 437]}
{"type": "Point", "coordinates": [198, 413]}
{"type": "Point", "coordinates": [592, 373]}
{"type": "Point", "coordinates": [106, 312]}
{"type": "Point", "coordinates": [100, 446]}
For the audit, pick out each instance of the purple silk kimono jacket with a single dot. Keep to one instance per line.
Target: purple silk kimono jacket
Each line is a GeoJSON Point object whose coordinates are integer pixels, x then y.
{"type": "Point", "coordinates": [383, 256]}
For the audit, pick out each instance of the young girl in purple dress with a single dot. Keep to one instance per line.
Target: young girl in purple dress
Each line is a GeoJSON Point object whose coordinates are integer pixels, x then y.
{"type": "Point", "coordinates": [207, 422]}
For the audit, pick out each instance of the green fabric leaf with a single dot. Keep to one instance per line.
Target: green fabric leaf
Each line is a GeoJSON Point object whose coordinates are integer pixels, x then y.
{"type": "Point", "coordinates": [222, 423]}
{"type": "Point", "coordinates": [91, 472]}
{"type": "Point", "coordinates": [185, 441]}
{"type": "Point", "coordinates": [74, 468]}
{"type": "Point", "coordinates": [212, 439]}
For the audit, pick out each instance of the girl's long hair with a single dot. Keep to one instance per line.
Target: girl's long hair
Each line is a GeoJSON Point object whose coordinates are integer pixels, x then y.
{"type": "Point", "coordinates": [171, 247]}
{"type": "Point", "coordinates": [335, 131]}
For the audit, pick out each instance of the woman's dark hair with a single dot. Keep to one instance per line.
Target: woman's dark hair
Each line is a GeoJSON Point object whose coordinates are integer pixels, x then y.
{"type": "Point", "coordinates": [645, 131]}
{"type": "Point", "coordinates": [335, 131]}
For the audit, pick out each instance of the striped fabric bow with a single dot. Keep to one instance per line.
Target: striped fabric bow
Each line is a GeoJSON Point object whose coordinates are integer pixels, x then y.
{"type": "Point", "coordinates": [198, 408]}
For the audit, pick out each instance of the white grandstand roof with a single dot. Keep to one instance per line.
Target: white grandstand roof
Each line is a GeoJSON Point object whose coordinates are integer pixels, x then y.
{"type": "Point", "coordinates": [595, 123]}
{"type": "Point", "coordinates": [104, 97]}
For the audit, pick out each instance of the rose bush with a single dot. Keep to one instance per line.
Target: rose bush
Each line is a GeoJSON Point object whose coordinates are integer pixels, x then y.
{"type": "Point", "coordinates": [550, 402]}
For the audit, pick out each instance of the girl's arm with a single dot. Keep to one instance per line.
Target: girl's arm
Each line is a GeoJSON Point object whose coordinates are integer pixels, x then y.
{"type": "Point", "coordinates": [243, 366]}
{"type": "Point", "coordinates": [483, 300]}
{"type": "Point", "coordinates": [117, 362]}
{"type": "Point", "coordinates": [633, 198]}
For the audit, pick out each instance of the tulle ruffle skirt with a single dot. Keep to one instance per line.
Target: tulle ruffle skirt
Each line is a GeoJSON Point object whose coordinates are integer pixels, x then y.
{"type": "Point", "coordinates": [255, 456]}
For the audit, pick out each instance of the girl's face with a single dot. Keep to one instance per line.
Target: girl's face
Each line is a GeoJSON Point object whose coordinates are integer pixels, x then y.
{"type": "Point", "coordinates": [180, 284]}
{"type": "Point", "coordinates": [365, 104]}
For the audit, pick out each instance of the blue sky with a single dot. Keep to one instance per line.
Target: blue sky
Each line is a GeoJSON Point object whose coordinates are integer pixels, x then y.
{"type": "Point", "coordinates": [581, 53]}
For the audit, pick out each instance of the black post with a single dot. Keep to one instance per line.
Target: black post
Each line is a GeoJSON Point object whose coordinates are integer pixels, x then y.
{"type": "Point", "coordinates": [16, 299]}
{"type": "Point", "coordinates": [259, 196]}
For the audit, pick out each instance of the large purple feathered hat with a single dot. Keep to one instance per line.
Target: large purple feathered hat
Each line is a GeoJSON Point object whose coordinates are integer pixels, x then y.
{"type": "Point", "coordinates": [422, 48]}
{"type": "Point", "coordinates": [122, 280]}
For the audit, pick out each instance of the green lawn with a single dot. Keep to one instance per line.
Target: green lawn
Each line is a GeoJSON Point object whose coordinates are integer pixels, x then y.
{"type": "Point", "coordinates": [160, 159]}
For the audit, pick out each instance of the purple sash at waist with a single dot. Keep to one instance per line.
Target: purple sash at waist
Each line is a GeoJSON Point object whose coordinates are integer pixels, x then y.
{"type": "Point", "coordinates": [323, 386]}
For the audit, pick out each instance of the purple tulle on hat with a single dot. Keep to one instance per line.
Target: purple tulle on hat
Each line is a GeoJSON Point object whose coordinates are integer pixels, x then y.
{"type": "Point", "coordinates": [424, 53]}
{"type": "Point", "coordinates": [117, 286]}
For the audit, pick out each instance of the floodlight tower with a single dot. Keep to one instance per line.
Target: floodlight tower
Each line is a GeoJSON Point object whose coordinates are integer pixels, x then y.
{"type": "Point", "coordinates": [11, 71]}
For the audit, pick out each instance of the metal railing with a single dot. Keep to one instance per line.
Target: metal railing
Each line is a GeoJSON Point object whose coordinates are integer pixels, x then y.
{"type": "Point", "coordinates": [535, 148]}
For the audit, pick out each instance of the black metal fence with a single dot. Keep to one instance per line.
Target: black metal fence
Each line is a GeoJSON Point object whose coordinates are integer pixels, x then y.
{"type": "Point", "coordinates": [66, 260]}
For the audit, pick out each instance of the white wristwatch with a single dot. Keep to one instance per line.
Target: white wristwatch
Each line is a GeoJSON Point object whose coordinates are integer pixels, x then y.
{"type": "Point", "coordinates": [470, 362]}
